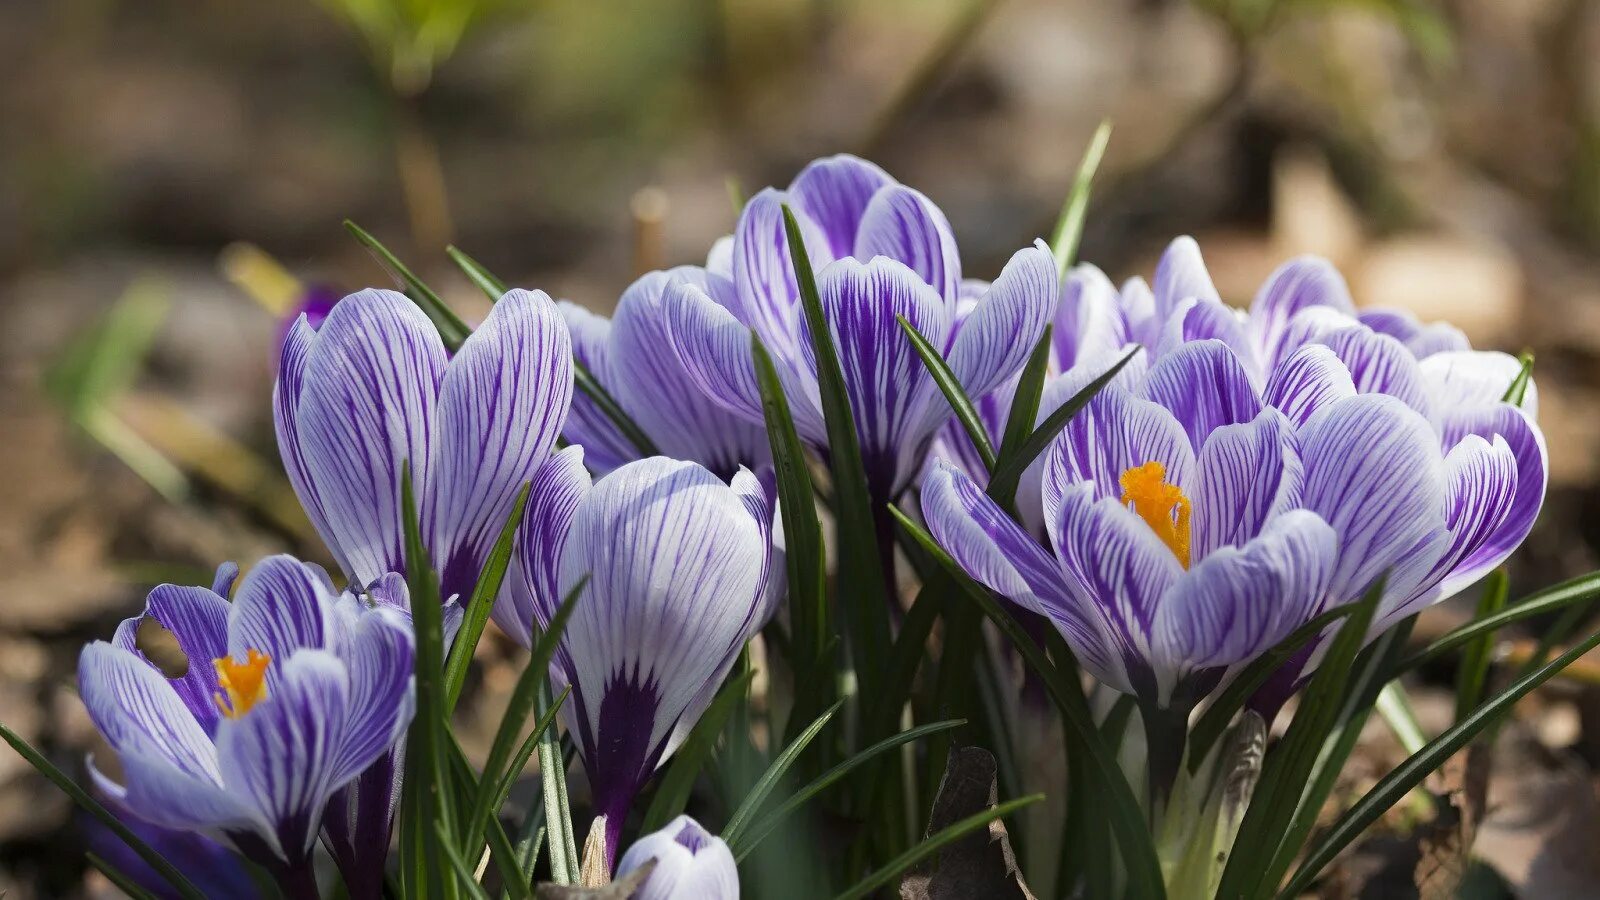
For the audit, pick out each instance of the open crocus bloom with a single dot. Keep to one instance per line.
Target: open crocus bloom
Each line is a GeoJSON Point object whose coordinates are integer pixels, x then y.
{"type": "Point", "coordinates": [691, 864]}
{"type": "Point", "coordinates": [879, 250]}
{"type": "Point", "coordinates": [288, 694]}
{"type": "Point", "coordinates": [632, 356]}
{"type": "Point", "coordinates": [681, 572]}
{"type": "Point", "coordinates": [373, 388]}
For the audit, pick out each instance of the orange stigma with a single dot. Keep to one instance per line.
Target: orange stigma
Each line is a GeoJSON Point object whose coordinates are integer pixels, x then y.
{"type": "Point", "coordinates": [1154, 500]}
{"type": "Point", "coordinates": [243, 683]}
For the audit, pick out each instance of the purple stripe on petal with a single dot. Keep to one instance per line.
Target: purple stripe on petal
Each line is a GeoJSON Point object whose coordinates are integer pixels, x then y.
{"type": "Point", "coordinates": [283, 607]}
{"type": "Point", "coordinates": [1312, 377]}
{"type": "Point", "coordinates": [283, 754]}
{"type": "Point", "coordinates": [763, 273]}
{"type": "Point", "coordinates": [532, 590]}
{"type": "Point", "coordinates": [1090, 323]}
{"type": "Point", "coordinates": [367, 405]}
{"type": "Point", "coordinates": [198, 619]}
{"type": "Point", "coordinates": [995, 340]}
{"type": "Point", "coordinates": [380, 656]}
{"type": "Point", "coordinates": [834, 193]}
{"type": "Point", "coordinates": [1301, 283]}
{"type": "Point", "coordinates": [1379, 364]}
{"type": "Point", "coordinates": [1501, 424]}
{"type": "Point", "coordinates": [1181, 275]}
{"type": "Point", "coordinates": [1204, 386]}
{"type": "Point", "coordinates": [502, 403]}
{"type": "Point", "coordinates": [138, 711]}
{"type": "Point", "coordinates": [714, 349]}
{"type": "Point", "coordinates": [167, 796]}
{"type": "Point", "coordinates": [1112, 434]}
{"type": "Point", "coordinates": [1247, 473]}
{"type": "Point", "coordinates": [1199, 320]}
{"type": "Point", "coordinates": [286, 391]}
{"type": "Point", "coordinates": [604, 445]}
{"type": "Point", "coordinates": [1374, 472]}
{"type": "Point", "coordinates": [690, 864]}
{"type": "Point", "coordinates": [903, 225]}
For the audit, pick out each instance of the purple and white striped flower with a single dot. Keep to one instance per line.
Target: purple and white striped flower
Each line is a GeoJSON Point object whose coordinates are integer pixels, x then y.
{"type": "Point", "coordinates": [690, 864]}
{"type": "Point", "coordinates": [682, 571]}
{"type": "Point", "coordinates": [632, 356]}
{"type": "Point", "coordinates": [373, 388]}
{"type": "Point", "coordinates": [289, 693]}
{"type": "Point", "coordinates": [879, 250]}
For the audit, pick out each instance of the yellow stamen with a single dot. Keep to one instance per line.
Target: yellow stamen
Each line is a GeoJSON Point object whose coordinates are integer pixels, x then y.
{"type": "Point", "coordinates": [244, 683]}
{"type": "Point", "coordinates": [1154, 500]}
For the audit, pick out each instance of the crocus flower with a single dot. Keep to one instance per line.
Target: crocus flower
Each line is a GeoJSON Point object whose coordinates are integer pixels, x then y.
{"type": "Point", "coordinates": [681, 572]}
{"type": "Point", "coordinates": [690, 864]}
{"type": "Point", "coordinates": [288, 694]}
{"type": "Point", "coordinates": [632, 356]}
{"type": "Point", "coordinates": [879, 250]}
{"type": "Point", "coordinates": [373, 388]}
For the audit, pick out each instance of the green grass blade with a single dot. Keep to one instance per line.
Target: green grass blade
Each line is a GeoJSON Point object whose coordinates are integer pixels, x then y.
{"type": "Point", "coordinates": [93, 807]}
{"type": "Point", "coordinates": [451, 327]}
{"type": "Point", "coordinates": [519, 760]}
{"type": "Point", "coordinates": [1552, 599]}
{"type": "Point", "coordinates": [954, 393]}
{"type": "Point", "coordinates": [672, 792]}
{"type": "Point", "coordinates": [1214, 721]}
{"type": "Point", "coordinates": [769, 779]}
{"type": "Point", "coordinates": [531, 685]}
{"type": "Point", "coordinates": [464, 876]}
{"type": "Point", "coordinates": [435, 807]}
{"type": "Point", "coordinates": [122, 882]}
{"type": "Point", "coordinates": [859, 557]}
{"type": "Point", "coordinates": [1479, 653]}
{"type": "Point", "coordinates": [1519, 385]}
{"type": "Point", "coordinates": [481, 603]}
{"type": "Point", "coordinates": [950, 834]}
{"type": "Point", "coordinates": [1126, 820]}
{"type": "Point", "coordinates": [1410, 773]}
{"type": "Point", "coordinates": [1288, 767]}
{"type": "Point", "coordinates": [1025, 402]}
{"type": "Point", "coordinates": [564, 866]}
{"type": "Point", "coordinates": [772, 820]}
{"type": "Point", "coordinates": [1069, 227]}
{"type": "Point", "coordinates": [482, 278]}
{"type": "Point", "coordinates": [1008, 472]}
{"type": "Point", "coordinates": [805, 554]}
{"type": "Point", "coordinates": [504, 856]}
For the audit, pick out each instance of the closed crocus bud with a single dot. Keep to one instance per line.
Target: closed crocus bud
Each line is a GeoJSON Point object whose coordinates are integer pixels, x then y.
{"type": "Point", "coordinates": [691, 864]}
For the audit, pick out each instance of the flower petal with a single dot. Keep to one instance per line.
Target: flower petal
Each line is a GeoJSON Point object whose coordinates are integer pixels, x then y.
{"type": "Point", "coordinates": [905, 226]}
{"type": "Point", "coordinates": [366, 406]}
{"type": "Point", "coordinates": [1473, 378]}
{"type": "Point", "coordinates": [763, 272]}
{"type": "Point", "coordinates": [286, 390]}
{"type": "Point", "coordinates": [1373, 471]}
{"type": "Point", "coordinates": [1089, 323]}
{"type": "Point", "coordinates": [1379, 364]}
{"type": "Point", "coordinates": [1181, 275]}
{"type": "Point", "coordinates": [283, 606]}
{"type": "Point", "coordinates": [605, 446]}
{"type": "Point", "coordinates": [660, 392]}
{"type": "Point", "coordinates": [381, 658]}
{"type": "Point", "coordinates": [1422, 340]}
{"type": "Point", "coordinates": [889, 388]}
{"type": "Point", "coordinates": [532, 589]}
{"type": "Point", "coordinates": [1301, 283]}
{"type": "Point", "coordinates": [138, 711]}
{"type": "Point", "coordinates": [1247, 474]}
{"type": "Point", "coordinates": [995, 340]}
{"type": "Point", "coordinates": [282, 755]}
{"type": "Point", "coordinates": [834, 193]}
{"type": "Point", "coordinates": [1204, 386]}
{"type": "Point", "coordinates": [1199, 320]}
{"type": "Point", "coordinates": [198, 619]}
{"type": "Point", "coordinates": [172, 798]}
{"type": "Point", "coordinates": [691, 864]}
{"type": "Point", "coordinates": [1498, 424]}
{"type": "Point", "coordinates": [1309, 379]}
{"type": "Point", "coordinates": [503, 401]}
{"type": "Point", "coordinates": [1112, 434]}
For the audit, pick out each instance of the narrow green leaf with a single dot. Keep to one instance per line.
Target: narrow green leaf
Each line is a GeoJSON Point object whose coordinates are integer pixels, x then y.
{"type": "Point", "coordinates": [769, 779]}
{"type": "Point", "coordinates": [1069, 227]}
{"type": "Point", "coordinates": [672, 791]}
{"type": "Point", "coordinates": [954, 393]}
{"type": "Point", "coordinates": [946, 836]}
{"type": "Point", "coordinates": [1479, 653]}
{"type": "Point", "coordinates": [759, 831]}
{"type": "Point", "coordinates": [1288, 767]}
{"type": "Point", "coordinates": [860, 557]}
{"type": "Point", "coordinates": [530, 685]}
{"type": "Point", "coordinates": [93, 807]}
{"type": "Point", "coordinates": [562, 838]}
{"type": "Point", "coordinates": [1410, 773]}
{"type": "Point", "coordinates": [519, 761]}
{"type": "Point", "coordinates": [492, 287]}
{"type": "Point", "coordinates": [464, 876]}
{"type": "Point", "coordinates": [1025, 402]}
{"type": "Point", "coordinates": [428, 732]}
{"type": "Point", "coordinates": [1214, 721]}
{"type": "Point", "coordinates": [1008, 472]}
{"type": "Point", "coordinates": [1122, 811]}
{"type": "Point", "coordinates": [122, 882]}
{"type": "Point", "coordinates": [805, 553]}
{"type": "Point", "coordinates": [1584, 587]}
{"type": "Point", "coordinates": [504, 856]}
{"type": "Point", "coordinates": [481, 603]}
{"type": "Point", "coordinates": [1519, 385]}
{"type": "Point", "coordinates": [451, 328]}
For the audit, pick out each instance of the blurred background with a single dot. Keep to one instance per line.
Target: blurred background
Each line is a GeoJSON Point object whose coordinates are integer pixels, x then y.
{"type": "Point", "coordinates": [155, 155]}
